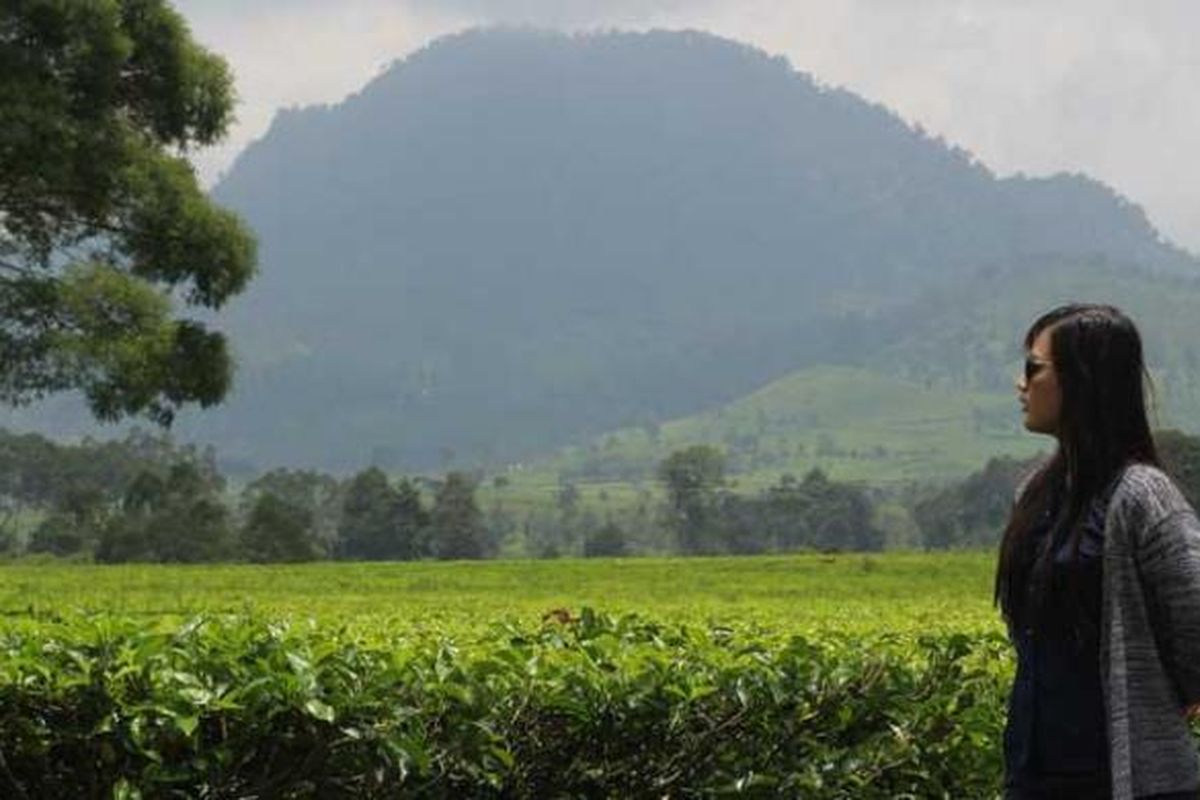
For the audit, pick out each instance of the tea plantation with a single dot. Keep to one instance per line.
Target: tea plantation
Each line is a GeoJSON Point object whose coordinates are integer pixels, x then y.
{"type": "Point", "coordinates": [824, 676]}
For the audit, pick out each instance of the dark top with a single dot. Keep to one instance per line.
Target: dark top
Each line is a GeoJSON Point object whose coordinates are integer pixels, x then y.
{"type": "Point", "coordinates": [1055, 742]}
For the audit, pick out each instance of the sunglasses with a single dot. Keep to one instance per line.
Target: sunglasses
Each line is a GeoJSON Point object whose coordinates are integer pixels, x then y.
{"type": "Point", "coordinates": [1033, 367]}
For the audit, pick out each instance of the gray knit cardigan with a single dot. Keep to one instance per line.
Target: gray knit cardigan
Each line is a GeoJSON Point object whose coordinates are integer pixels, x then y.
{"type": "Point", "coordinates": [1150, 638]}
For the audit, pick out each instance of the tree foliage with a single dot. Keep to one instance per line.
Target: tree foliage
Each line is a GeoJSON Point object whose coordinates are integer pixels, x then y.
{"type": "Point", "coordinates": [103, 228]}
{"type": "Point", "coordinates": [814, 513]}
{"type": "Point", "coordinates": [820, 513]}
{"type": "Point", "coordinates": [318, 495]}
{"type": "Point", "coordinates": [381, 521]}
{"type": "Point", "coordinates": [74, 490]}
{"type": "Point", "coordinates": [178, 517]}
{"type": "Point", "coordinates": [278, 531]}
{"type": "Point", "coordinates": [973, 512]}
{"type": "Point", "coordinates": [456, 522]}
{"type": "Point", "coordinates": [693, 478]}
{"type": "Point", "coordinates": [607, 542]}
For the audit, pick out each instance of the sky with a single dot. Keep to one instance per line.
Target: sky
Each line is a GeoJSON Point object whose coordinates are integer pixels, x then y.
{"type": "Point", "coordinates": [1106, 87]}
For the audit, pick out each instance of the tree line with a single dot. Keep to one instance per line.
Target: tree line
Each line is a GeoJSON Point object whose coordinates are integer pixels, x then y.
{"type": "Point", "coordinates": [145, 498]}
{"type": "Point", "coordinates": [974, 511]}
{"type": "Point", "coordinates": [794, 514]}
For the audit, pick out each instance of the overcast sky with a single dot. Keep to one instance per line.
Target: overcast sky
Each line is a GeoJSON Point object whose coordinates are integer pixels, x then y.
{"type": "Point", "coordinates": [1106, 87]}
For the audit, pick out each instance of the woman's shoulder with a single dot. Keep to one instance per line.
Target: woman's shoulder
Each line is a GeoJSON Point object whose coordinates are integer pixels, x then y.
{"type": "Point", "coordinates": [1147, 492]}
{"type": "Point", "coordinates": [1145, 479]}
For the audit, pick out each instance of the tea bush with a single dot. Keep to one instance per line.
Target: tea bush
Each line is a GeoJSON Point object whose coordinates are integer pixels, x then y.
{"type": "Point", "coordinates": [597, 706]}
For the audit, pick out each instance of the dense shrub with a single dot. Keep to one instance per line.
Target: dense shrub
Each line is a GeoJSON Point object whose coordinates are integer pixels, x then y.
{"type": "Point", "coordinates": [588, 707]}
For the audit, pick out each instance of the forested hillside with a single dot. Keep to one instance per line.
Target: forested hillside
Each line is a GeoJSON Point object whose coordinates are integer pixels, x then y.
{"type": "Point", "coordinates": [919, 390]}
{"type": "Point", "coordinates": [513, 240]}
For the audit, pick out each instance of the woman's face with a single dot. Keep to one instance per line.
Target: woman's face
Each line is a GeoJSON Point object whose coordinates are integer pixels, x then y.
{"type": "Point", "coordinates": [1038, 388]}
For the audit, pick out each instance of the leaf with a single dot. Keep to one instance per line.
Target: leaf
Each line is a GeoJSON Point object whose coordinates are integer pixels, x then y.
{"type": "Point", "coordinates": [299, 664]}
{"type": "Point", "coordinates": [124, 790]}
{"type": "Point", "coordinates": [319, 710]}
{"type": "Point", "coordinates": [187, 724]}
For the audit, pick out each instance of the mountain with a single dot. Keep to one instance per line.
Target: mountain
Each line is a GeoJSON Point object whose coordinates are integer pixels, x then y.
{"type": "Point", "coordinates": [514, 239]}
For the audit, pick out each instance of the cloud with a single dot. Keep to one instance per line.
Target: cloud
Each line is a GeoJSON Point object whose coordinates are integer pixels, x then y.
{"type": "Point", "coordinates": [301, 52]}
{"type": "Point", "coordinates": [562, 13]}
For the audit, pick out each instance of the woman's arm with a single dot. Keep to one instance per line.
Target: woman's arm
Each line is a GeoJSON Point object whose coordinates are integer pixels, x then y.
{"type": "Point", "coordinates": [1168, 558]}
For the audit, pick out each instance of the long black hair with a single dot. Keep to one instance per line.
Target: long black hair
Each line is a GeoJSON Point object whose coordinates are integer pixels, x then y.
{"type": "Point", "coordinates": [1097, 354]}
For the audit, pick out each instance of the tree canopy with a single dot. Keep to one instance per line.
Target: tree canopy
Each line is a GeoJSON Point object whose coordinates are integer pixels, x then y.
{"type": "Point", "coordinates": [106, 239]}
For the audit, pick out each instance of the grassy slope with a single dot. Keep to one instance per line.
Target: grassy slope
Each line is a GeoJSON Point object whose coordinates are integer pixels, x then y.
{"type": "Point", "coordinates": [856, 424]}
{"type": "Point", "coordinates": [934, 399]}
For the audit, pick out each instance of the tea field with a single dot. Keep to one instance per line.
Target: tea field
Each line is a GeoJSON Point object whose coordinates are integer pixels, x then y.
{"type": "Point", "coordinates": [824, 676]}
{"type": "Point", "coordinates": [893, 592]}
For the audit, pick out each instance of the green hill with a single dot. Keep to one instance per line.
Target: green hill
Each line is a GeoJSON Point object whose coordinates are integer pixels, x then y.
{"type": "Point", "coordinates": [852, 422]}
{"type": "Point", "coordinates": [924, 390]}
{"type": "Point", "coordinates": [967, 334]}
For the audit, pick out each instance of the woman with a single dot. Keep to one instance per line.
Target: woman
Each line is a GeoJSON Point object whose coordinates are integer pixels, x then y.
{"type": "Point", "coordinates": [1098, 580]}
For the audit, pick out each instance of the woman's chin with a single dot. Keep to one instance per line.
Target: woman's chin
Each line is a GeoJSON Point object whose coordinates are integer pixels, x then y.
{"type": "Point", "coordinates": [1032, 425]}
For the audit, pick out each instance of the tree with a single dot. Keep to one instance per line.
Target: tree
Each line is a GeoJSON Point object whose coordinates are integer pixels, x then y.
{"type": "Point", "coordinates": [279, 531]}
{"type": "Point", "coordinates": [77, 485]}
{"type": "Point", "coordinates": [569, 535]}
{"type": "Point", "coordinates": [815, 512]}
{"type": "Point", "coordinates": [937, 516]}
{"type": "Point", "coordinates": [973, 512]}
{"type": "Point", "coordinates": [607, 542]}
{"type": "Point", "coordinates": [103, 228]}
{"type": "Point", "coordinates": [381, 522]}
{"type": "Point", "coordinates": [744, 527]}
{"type": "Point", "coordinates": [27, 478]}
{"type": "Point", "coordinates": [129, 536]}
{"type": "Point", "coordinates": [317, 494]}
{"type": "Point", "coordinates": [74, 524]}
{"type": "Point", "coordinates": [839, 515]}
{"type": "Point", "coordinates": [456, 522]}
{"type": "Point", "coordinates": [692, 478]}
{"type": "Point", "coordinates": [787, 516]}
{"type": "Point", "coordinates": [175, 518]}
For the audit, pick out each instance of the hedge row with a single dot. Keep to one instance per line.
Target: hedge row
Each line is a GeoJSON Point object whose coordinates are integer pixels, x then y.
{"type": "Point", "coordinates": [591, 707]}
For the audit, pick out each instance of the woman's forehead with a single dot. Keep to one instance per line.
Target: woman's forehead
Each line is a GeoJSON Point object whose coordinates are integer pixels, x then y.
{"type": "Point", "coordinates": [1041, 344]}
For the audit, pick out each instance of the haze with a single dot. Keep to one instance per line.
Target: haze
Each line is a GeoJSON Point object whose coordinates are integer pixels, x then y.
{"type": "Point", "coordinates": [1104, 87]}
